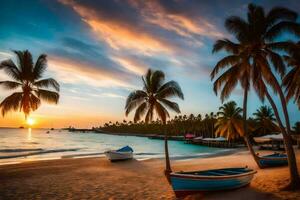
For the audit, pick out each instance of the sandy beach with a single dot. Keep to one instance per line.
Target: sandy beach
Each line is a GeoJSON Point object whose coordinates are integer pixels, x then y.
{"type": "Point", "coordinates": [97, 178]}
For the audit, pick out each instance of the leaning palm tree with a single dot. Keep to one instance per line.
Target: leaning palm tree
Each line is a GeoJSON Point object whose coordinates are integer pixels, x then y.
{"type": "Point", "coordinates": [265, 120]}
{"type": "Point", "coordinates": [296, 128]}
{"type": "Point", "coordinates": [249, 63]}
{"type": "Point", "coordinates": [229, 123]}
{"type": "Point", "coordinates": [292, 79]}
{"type": "Point", "coordinates": [154, 98]}
{"type": "Point", "coordinates": [26, 76]}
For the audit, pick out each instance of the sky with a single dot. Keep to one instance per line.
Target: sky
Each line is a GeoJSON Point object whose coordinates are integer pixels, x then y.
{"type": "Point", "coordinates": [98, 50]}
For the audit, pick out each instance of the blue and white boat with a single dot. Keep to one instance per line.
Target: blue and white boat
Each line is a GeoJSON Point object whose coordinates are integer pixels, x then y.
{"type": "Point", "coordinates": [125, 153]}
{"type": "Point", "coordinates": [273, 160]}
{"type": "Point", "coordinates": [185, 183]}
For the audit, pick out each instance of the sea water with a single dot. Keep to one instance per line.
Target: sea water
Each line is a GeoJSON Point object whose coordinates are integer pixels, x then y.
{"type": "Point", "coordinates": [19, 145]}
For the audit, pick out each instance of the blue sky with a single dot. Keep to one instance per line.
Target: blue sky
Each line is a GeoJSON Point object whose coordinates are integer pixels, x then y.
{"type": "Point", "coordinates": [98, 50]}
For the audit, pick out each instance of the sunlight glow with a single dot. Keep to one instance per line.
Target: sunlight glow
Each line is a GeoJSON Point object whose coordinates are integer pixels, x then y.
{"type": "Point", "coordinates": [30, 121]}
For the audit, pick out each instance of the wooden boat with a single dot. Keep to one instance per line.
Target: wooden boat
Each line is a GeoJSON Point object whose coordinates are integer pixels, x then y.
{"type": "Point", "coordinates": [124, 153]}
{"type": "Point", "coordinates": [273, 160]}
{"type": "Point", "coordinates": [185, 183]}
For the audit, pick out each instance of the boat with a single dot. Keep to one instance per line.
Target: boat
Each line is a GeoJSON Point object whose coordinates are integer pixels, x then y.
{"type": "Point", "coordinates": [125, 153]}
{"type": "Point", "coordinates": [186, 183]}
{"type": "Point", "coordinates": [272, 160]}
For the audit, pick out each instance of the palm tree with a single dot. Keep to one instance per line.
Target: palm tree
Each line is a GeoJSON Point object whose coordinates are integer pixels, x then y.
{"type": "Point", "coordinates": [229, 123]}
{"type": "Point", "coordinates": [154, 97]}
{"type": "Point", "coordinates": [297, 132]}
{"type": "Point", "coordinates": [249, 63]}
{"type": "Point", "coordinates": [297, 128]}
{"type": "Point", "coordinates": [265, 120]}
{"type": "Point", "coordinates": [27, 76]}
{"type": "Point", "coordinates": [291, 80]}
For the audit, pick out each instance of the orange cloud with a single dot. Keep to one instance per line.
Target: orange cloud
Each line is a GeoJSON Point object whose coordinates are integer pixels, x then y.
{"type": "Point", "coordinates": [131, 65]}
{"type": "Point", "coordinates": [69, 71]}
{"type": "Point", "coordinates": [121, 35]}
{"type": "Point", "coordinates": [182, 25]}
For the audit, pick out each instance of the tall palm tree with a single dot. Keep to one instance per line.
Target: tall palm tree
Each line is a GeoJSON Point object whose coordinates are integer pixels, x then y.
{"type": "Point", "coordinates": [229, 123]}
{"type": "Point", "coordinates": [297, 132]}
{"type": "Point", "coordinates": [249, 63]}
{"type": "Point", "coordinates": [265, 120]}
{"type": "Point", "coordinates": [155, 98]}
{"type": "Point", "coordinates": [296, 128]}
{"type": "Point", "coordinates": [27, 76]}
{"type": "Point", "coordinates": [291, 80]}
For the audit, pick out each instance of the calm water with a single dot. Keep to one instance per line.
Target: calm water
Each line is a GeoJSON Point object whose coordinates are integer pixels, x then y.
{"type": "Point", "coordinates": [17, 145]}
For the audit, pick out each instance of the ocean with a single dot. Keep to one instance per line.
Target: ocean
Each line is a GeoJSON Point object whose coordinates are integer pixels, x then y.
{"type": "Point", "coordinates": [20, 145]}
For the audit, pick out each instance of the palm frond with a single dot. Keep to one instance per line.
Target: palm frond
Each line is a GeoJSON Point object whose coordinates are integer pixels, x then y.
{"type": "Point", "coordinates": [11, 69]}
{"type": "Point", "coordinates": [10, 85]}
{"type": "Point", "coordinates": [257, 82]}
{"type": "Point", "coordinates": [157, 79]}
{"type": "Point", "coordinates": [291, 82]}
{"type": "Point", "coordinates": [171, 105]}
{"type": "Point", "coordinates": [278, 14]}
{"type": "Point", "coordinates": [226, 45]}
{"type": "Point", "coordinates": [280, 46]}
{"type": "Point", "coordinates": [40, 67]}
{"type": "Point", "coordinates": [169, 89]}
{"type": "Point", "coordinates": [149, 115]}
{"type": "Point", "coordinates": [35, 102]}
{"type": "Point", "coordinates": [134, 99]}
{"type": "Point", "coordinates": [225, 77]}
{"type": "Point", "coordinates": [161, 112]}
{"type": "Point", "coordinates": [47, 95]}
{"type": "Point", "coordinates": [225, 62]}
{"type": "Point", "coordinates": [238, 126]}
{"type": "Point", "coordinates": [278, 29]}
{"type": "Point", "coordinates": [47, 83]}
{"type": "Point", "coordinates": [140, 111]}
{"type": "Point", "coordinates": [265, 70]}
{"type": "Point", "coordinates": [277, 62]}
{"type": "Point", "coordinates": [147, 80]}
{"type": "Point", "coordinates": [25, 64]}
{"type": "Point", "coordinates": [238, 27]}
{"type": "Point", "coordinates": [11, 103]}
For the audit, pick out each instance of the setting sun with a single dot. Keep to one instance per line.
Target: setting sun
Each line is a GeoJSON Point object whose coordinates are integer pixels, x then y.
{"type": "Point", "coordinates": [30, 121]}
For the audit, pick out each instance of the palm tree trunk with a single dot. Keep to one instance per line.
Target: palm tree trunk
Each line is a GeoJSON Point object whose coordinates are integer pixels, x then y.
{"type": "Point", "coordinates": [284, 108]}
{"type": "Point", "coordinates": [168, 169]}
{"type": "Point", "coordinates": [245, 127]}
{"type": "Point", "coordinates": [294, 175]}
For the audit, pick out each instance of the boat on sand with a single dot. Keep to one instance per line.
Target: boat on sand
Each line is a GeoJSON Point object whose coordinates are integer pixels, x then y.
{"type": "Point", "coordinates": [125, 153]}
{"type": "Point", "coordinates": [186, 183]}
{"type": "Point", "coordinates": [273, 160]}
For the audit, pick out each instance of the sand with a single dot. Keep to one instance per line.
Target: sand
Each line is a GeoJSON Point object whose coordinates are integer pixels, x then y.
{"type": "Point", "coordinates": [97, 178]}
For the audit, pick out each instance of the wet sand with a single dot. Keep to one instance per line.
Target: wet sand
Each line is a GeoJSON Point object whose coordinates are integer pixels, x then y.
{"type": "Point", "coordinates": [97, 178]}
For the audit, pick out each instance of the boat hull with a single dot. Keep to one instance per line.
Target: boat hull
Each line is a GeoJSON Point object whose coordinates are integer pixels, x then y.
{"type": "Point", "coordinates": [118, 156]}
{"type": "Point", "coordinates": [188, 184]}
{"type": "Point", "coordinates": [273, 161]}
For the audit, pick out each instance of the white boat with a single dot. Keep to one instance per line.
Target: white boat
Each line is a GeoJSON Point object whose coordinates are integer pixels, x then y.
{"type": "Point", "coordinates": [125, 153]}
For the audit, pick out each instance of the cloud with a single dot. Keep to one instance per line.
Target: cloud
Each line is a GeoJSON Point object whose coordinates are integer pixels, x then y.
{"type": "Point", "coordinates": [120, 31]}
{"type": "Point", "coordinates": [74, 72]}
{"type": "Point", "coordinates": [5, 55]}
{"type": "Point", "coordinates": [185, 26]}
{"type": "Point", "coordinates": [131, 64]}
{"type": "Point", "coordinates": [108, 94]}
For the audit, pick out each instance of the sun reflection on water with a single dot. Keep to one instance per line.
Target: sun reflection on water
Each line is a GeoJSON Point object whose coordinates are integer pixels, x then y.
{"type": "Point", "coordinates": [29, 134]}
